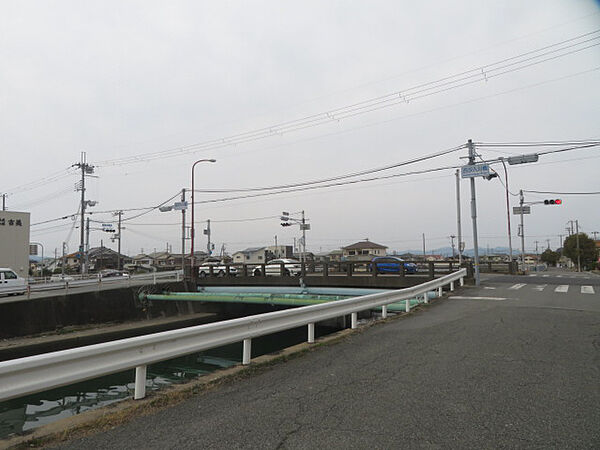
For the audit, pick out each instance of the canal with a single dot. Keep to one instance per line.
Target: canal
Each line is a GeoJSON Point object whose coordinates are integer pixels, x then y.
{"type": "Point", "coordinates": [32, 411]}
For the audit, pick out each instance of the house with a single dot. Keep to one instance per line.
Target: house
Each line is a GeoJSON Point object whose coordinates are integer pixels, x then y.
{"type": "Point", "coordinates": [363, 251]}
{"type": "Point", "coordinates": [335, 255]}
{"type": "Point", "coordinates": [252, 255]}
{"type": "Point", "coordinates": [281, 251]}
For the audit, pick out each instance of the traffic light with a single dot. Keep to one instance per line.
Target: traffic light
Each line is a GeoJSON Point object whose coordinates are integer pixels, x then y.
{"type": "Point", "coordinates": [286, 224]}
{"type": "Point", "coordinates": [556, 201]}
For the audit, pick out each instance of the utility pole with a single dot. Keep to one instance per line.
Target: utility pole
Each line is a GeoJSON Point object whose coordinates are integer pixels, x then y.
{"type": "Point", "coordinates": [548, 242]}
{"type": "Point", "coordinates": [536, 247]}
{"type": "Point", "coordinates": [458, 217]}
{"type": "Point", "coordinates": [303, 226]}
{"type": "Point", "coordinates": [87, 240]}
{"type": "Point", "coordinates": [452, 244]}
{"type": "Point", "coordinates": [85, 169]}
{"type": "Point", "coordinates": [3, 202]}
{"type": "Point", "coordinates": [275, 241]}
{"type": "Point", "coordinates": [119, 214]}
{"type": "Point", "coordinates": [424, 254]}
{"type": "Point", "coordinates": [207, 233]}
{"type": "Point", "coordinates": [510, 248]}
{"type": "Point", "coordinates": [64, 249]}
{"type": "Point", "coordinates": [521, 201]}
{"type": "Point", "coordinates": [578, 251]}
{"type": "Point", "coordinates": [471, 148]}
{"type": "Point", "coordinates": [183, 231]}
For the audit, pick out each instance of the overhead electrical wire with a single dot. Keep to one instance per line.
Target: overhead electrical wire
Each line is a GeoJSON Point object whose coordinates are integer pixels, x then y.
{"type": "Point", "coordinates": [562, 193]}
{"type": "Point", "coordinates": [479, 74]}
{"type": "Point", "coordinates": [339, 177]}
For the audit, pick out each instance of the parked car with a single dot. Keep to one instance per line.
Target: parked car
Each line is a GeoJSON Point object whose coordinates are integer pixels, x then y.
{"type": "Point", "coordinates": [11, 283]}
{"type": "Point", "coordinates": [392, 264]}
{"type": "Point", "coordinates": [292, 267]}
{"type": "Point", "coordinates": [111, 273]}
{"type": "Point", "coordinates": [218, 268]}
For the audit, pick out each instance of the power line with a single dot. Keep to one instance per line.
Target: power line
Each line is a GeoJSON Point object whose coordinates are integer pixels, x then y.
{"type": "Point", "coordinates": [339, 177]}
{"type": "Point", "coordinates": [563, 193]}
{"type": "Point", "coordinates": [482, 73]}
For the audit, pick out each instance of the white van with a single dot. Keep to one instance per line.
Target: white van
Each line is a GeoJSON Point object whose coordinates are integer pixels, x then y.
{"type": "Point", "coordinates": [11, 283]}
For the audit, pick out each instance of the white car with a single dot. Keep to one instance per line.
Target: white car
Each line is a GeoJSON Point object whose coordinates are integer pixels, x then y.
{"type": "Point", "coordinates": [218, 268]}
{"type": "Point", "coordinates": [291, 267]}
{"type": "Point", "coordinates": [11, 283]}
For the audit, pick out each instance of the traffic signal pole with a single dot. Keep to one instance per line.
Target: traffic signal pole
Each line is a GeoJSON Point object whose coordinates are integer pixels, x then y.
{"type": "Point", "coordinates": [471, 148]}
{"type": "Point", "coordinates": [458, 224]}
{"type": "Point", "coordinates": [521, 201]}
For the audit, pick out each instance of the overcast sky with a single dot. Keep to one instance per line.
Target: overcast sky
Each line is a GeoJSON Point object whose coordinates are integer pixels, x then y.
{"type": "Point", "coordinates": [129, 78]}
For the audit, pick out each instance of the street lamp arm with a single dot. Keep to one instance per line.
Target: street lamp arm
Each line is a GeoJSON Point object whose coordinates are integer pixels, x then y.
{"type": "Point", "coordinates": [192, 230]}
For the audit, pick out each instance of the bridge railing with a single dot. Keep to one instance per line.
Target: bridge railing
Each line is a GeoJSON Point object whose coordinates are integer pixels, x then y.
{"type": "Point", "coordinates": [337, 268]}
{"type": "Point", "coordinates": [153, 277]}
{"type": "Point", "coordinates": [42, 372]}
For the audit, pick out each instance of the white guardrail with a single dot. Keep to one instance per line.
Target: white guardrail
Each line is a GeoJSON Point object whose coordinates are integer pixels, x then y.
{"type": "Point", "coordinates": [175, 275]}
{"type": "Point", "coordinates": [50, 370]}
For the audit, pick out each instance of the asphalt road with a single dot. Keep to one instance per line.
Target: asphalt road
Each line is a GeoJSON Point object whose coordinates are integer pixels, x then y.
{"type": "Point", "coordinates": [489, 367]}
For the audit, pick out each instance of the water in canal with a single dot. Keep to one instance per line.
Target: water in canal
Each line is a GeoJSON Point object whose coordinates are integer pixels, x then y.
{"type": "Point", "coordinates": [32, 411]}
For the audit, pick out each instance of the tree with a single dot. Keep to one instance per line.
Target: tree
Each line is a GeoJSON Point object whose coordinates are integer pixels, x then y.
{"type": "Point", "coordinates": [587, 250]}
{"type": "Point", "coordinates": [550, 257]}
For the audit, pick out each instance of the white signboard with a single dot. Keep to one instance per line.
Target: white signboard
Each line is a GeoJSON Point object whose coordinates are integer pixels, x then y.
{"type": "Point", "coordinates": [475, 170]}
{"type": "Point", "coordinates": [517, 210]}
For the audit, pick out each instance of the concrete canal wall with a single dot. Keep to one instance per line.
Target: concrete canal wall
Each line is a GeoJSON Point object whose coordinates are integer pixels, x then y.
{"type": "Point", "coordinates": [29, 317]}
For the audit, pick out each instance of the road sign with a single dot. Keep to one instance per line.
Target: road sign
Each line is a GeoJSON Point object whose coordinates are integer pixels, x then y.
{"type": "Point", "coordinates": [475, 170]}
{"type": "Point", "coordinates": [305, 226]}
{"type": "Point", "coordinates": [33, 249]}
{"type": "Point", "coordinates": [180, 206]}
{"type": "Point", "coordinates": [517, 210]}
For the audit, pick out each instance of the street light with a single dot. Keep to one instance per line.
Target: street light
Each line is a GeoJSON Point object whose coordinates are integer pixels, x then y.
{"type": "Point", "coordinates": [192, 231]}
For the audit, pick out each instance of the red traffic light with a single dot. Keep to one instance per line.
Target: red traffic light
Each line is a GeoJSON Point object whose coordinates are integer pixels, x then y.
{"type": "Point", "coordinates": [557, 201]}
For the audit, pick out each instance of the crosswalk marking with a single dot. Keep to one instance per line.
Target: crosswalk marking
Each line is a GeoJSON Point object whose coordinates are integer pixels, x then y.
{"type": "Point", "coordinates": [545, 276]}
{"type": "Point", "coordinates": [562, 288]}
{"type": "Point", "coordinates": [517, 286]}
{"type": "Point", "coordinates": [559, 276]}
{"type": "Point", "coordinates": [540, 287]}
{"type": "Point", "coordinates": [587, 290]}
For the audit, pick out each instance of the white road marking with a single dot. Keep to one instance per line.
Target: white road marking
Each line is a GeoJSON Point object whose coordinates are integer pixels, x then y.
{"type": "Point", "coordinates": [460, 297]}
{"type": "Point", "coordinates": [587, 290]}
{"type": "Point", "coordinates": [532, 275]}
{"type": "Point", "coordinates": [545, 276]}
{"type": "Point", "coordinates": [540, 287]}
{"type": "Point", "coordinates": [517, 286]}
{"type": "Point", "coordinates": [563, 288]}
{"type": "Point", "coordinates": [489, 287]}
{"type": "Point", "coordinates": [559, 276]}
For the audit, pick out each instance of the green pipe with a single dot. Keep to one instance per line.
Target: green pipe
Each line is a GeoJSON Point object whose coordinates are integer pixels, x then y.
{"type": "Point", "coordinates": [262, 299]}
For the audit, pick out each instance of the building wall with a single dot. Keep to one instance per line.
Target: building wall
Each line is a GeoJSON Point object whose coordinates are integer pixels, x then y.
{"type": "Point", "coordinates": [14, 241]}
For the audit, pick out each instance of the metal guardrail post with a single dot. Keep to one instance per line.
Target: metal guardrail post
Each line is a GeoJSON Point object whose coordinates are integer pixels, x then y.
{"type": "Point", "coordinates": [451, 286]}
{"type": "Point", "coordinates": [384, 312]}
{"type": "Point", "coordinates": [431, 270]}
{"type": "Point", "coordinates": [311, 333]}
{"type": "Point", "coordinates": [407, 305]}
{"type": "Point", "coordinates": [246, 351]}
{"type": "Point", "coordinates": [354, 320]}
{"type": "Point", "coordinates": [282, 269]}
{"type": "Point", "coordinates": [462, 281]}
{"type": "Point", "coordinates": [440, 291]}
{"type": "Point", "coordinates": [140, 383]}
{"type": "Point", "coordinates": [325, 269]}
{"type": "Point", "coordinates": [245, 270]}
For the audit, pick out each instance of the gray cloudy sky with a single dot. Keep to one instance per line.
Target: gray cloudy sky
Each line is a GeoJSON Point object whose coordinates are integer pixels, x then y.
{"type": "Point", "coordinates": [118, 79]}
